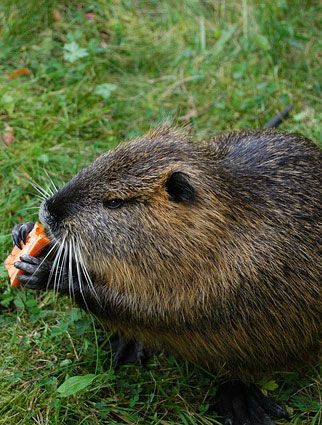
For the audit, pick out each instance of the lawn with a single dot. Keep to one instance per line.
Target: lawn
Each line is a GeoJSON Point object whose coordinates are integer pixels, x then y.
{"type": "Point", "coordinates": [76, 78]}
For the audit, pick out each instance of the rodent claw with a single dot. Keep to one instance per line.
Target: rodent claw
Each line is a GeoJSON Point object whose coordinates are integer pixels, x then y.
{"type": "Point", "coordinates": [241, 404]}
{"type": "Point", "coordinates": [127, 351]}
{"type": "Point", "coordinates": [16, 235]}
{"type": "Point", "coordinates": [20, 233]}
{"type": "Point", "coordinates": [26, 229]}
{"type": "Point", "coordinates": [271, 408]}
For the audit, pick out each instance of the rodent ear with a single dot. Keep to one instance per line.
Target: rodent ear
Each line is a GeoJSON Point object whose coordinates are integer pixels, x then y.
{"type": "Point", "coordinates": [179, 188]}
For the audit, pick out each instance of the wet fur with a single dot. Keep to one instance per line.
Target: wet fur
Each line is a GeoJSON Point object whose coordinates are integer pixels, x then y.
{"type": "Point", "coordinates": [229, 277]}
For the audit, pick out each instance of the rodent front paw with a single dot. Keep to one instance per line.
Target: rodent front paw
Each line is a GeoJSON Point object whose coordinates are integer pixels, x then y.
{"type": "Point", "coordinates": [36, 272]}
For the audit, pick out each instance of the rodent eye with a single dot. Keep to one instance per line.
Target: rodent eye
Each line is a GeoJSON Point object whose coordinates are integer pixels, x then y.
{"type": "Point", "coordinates": [113, 203]}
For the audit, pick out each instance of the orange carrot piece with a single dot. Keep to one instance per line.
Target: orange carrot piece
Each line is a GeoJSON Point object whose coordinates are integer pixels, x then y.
{"type": "Point", "coordinates": [36, 241]}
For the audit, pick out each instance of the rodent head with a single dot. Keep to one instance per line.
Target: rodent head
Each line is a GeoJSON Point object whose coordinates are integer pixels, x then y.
{"type": "Point", "coordinates": [134, 205]}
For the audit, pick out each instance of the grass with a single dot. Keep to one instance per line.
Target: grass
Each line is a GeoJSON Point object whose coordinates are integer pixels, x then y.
{"type": "Point", "coordinates": [212, 65]}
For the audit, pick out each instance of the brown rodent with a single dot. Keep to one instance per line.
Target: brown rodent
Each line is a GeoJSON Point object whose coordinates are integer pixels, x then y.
{"type": "Point", "coordinates": [210, 250]}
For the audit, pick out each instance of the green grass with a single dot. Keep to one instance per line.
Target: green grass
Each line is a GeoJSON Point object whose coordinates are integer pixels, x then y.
{"type": "Point", "coordinates": [212, 65]}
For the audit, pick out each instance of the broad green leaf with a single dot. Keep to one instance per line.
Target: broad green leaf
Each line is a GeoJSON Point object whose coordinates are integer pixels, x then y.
{"type": "Point", "coordinates": [65, 363]}
{"type": "Point", "coordinates": [43, 158]}
{"type": "Point", "coordinates": [302, 115]}
{"type": "Point", "coordinates": [3, 272]}
{"type": "Point", "coordinates": [73, 52]}
{"type": "Point", "coordinates": [8, 103]}
{"type": "Point", "coordinates": [74, 384]}
{"type": "Point", "coordinates": [269, 385]}
{"type": "Point", "coordinates": [261, 41]}
{"type": "Point", "coordinates": [105, 90]}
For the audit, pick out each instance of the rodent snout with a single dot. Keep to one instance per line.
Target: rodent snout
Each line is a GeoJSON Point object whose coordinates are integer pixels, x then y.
{"type": "Point", "coordinates": [46, 217]}
{"type": "Point", "coordinates": [54, 211]}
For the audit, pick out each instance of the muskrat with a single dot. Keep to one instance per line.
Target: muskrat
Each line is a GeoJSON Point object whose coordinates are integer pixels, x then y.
{"type": "Point", "coordinates": [210, 250]}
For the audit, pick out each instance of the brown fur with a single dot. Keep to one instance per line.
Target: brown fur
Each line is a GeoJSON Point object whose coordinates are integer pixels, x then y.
{"type": "Point", "coordinates": [231, 280]}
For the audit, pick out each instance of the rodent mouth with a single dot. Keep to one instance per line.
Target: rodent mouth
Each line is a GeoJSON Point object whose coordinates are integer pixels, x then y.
{"type": "Point", "coordinates": [50, 234]}
{"type": "Point", "coordinates": [53, 230]}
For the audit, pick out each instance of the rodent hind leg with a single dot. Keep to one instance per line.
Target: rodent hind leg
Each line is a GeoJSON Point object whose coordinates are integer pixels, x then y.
{"type": "Point", "coordinates": [126, 350]}
{"type": "Point", "coordinates": [241, 404]}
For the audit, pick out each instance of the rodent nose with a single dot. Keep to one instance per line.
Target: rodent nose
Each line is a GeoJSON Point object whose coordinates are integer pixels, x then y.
{"type": "Point", "coordinates": [47, 217]}
{"type": "Point", "coordinates": [59, 207]}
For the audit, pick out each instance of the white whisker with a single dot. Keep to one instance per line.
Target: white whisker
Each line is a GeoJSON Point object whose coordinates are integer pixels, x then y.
{"type": "Point", "coordinates": [53, 267]}
{"type": "Point", "coordinates": [63, 264]}
{"type": "Point", "coordinates": [70, 270]}
{"type": "Point", "coordinates": [58, 267]}
{"type": "Point", "coordinates": [86, 274]}
{"type": "Point", "coordinates": [51, 181]}
{"type": "Point", "coordinates": [80, 280]}
{"type": "Point", "coordinates": [41, 196]}
{"type": "Point", "coordinates": [45, 193]}
{"type": "Point", "coordinates": [29, 208]}
{"type": "Point", "coordinates": [36, 195]}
